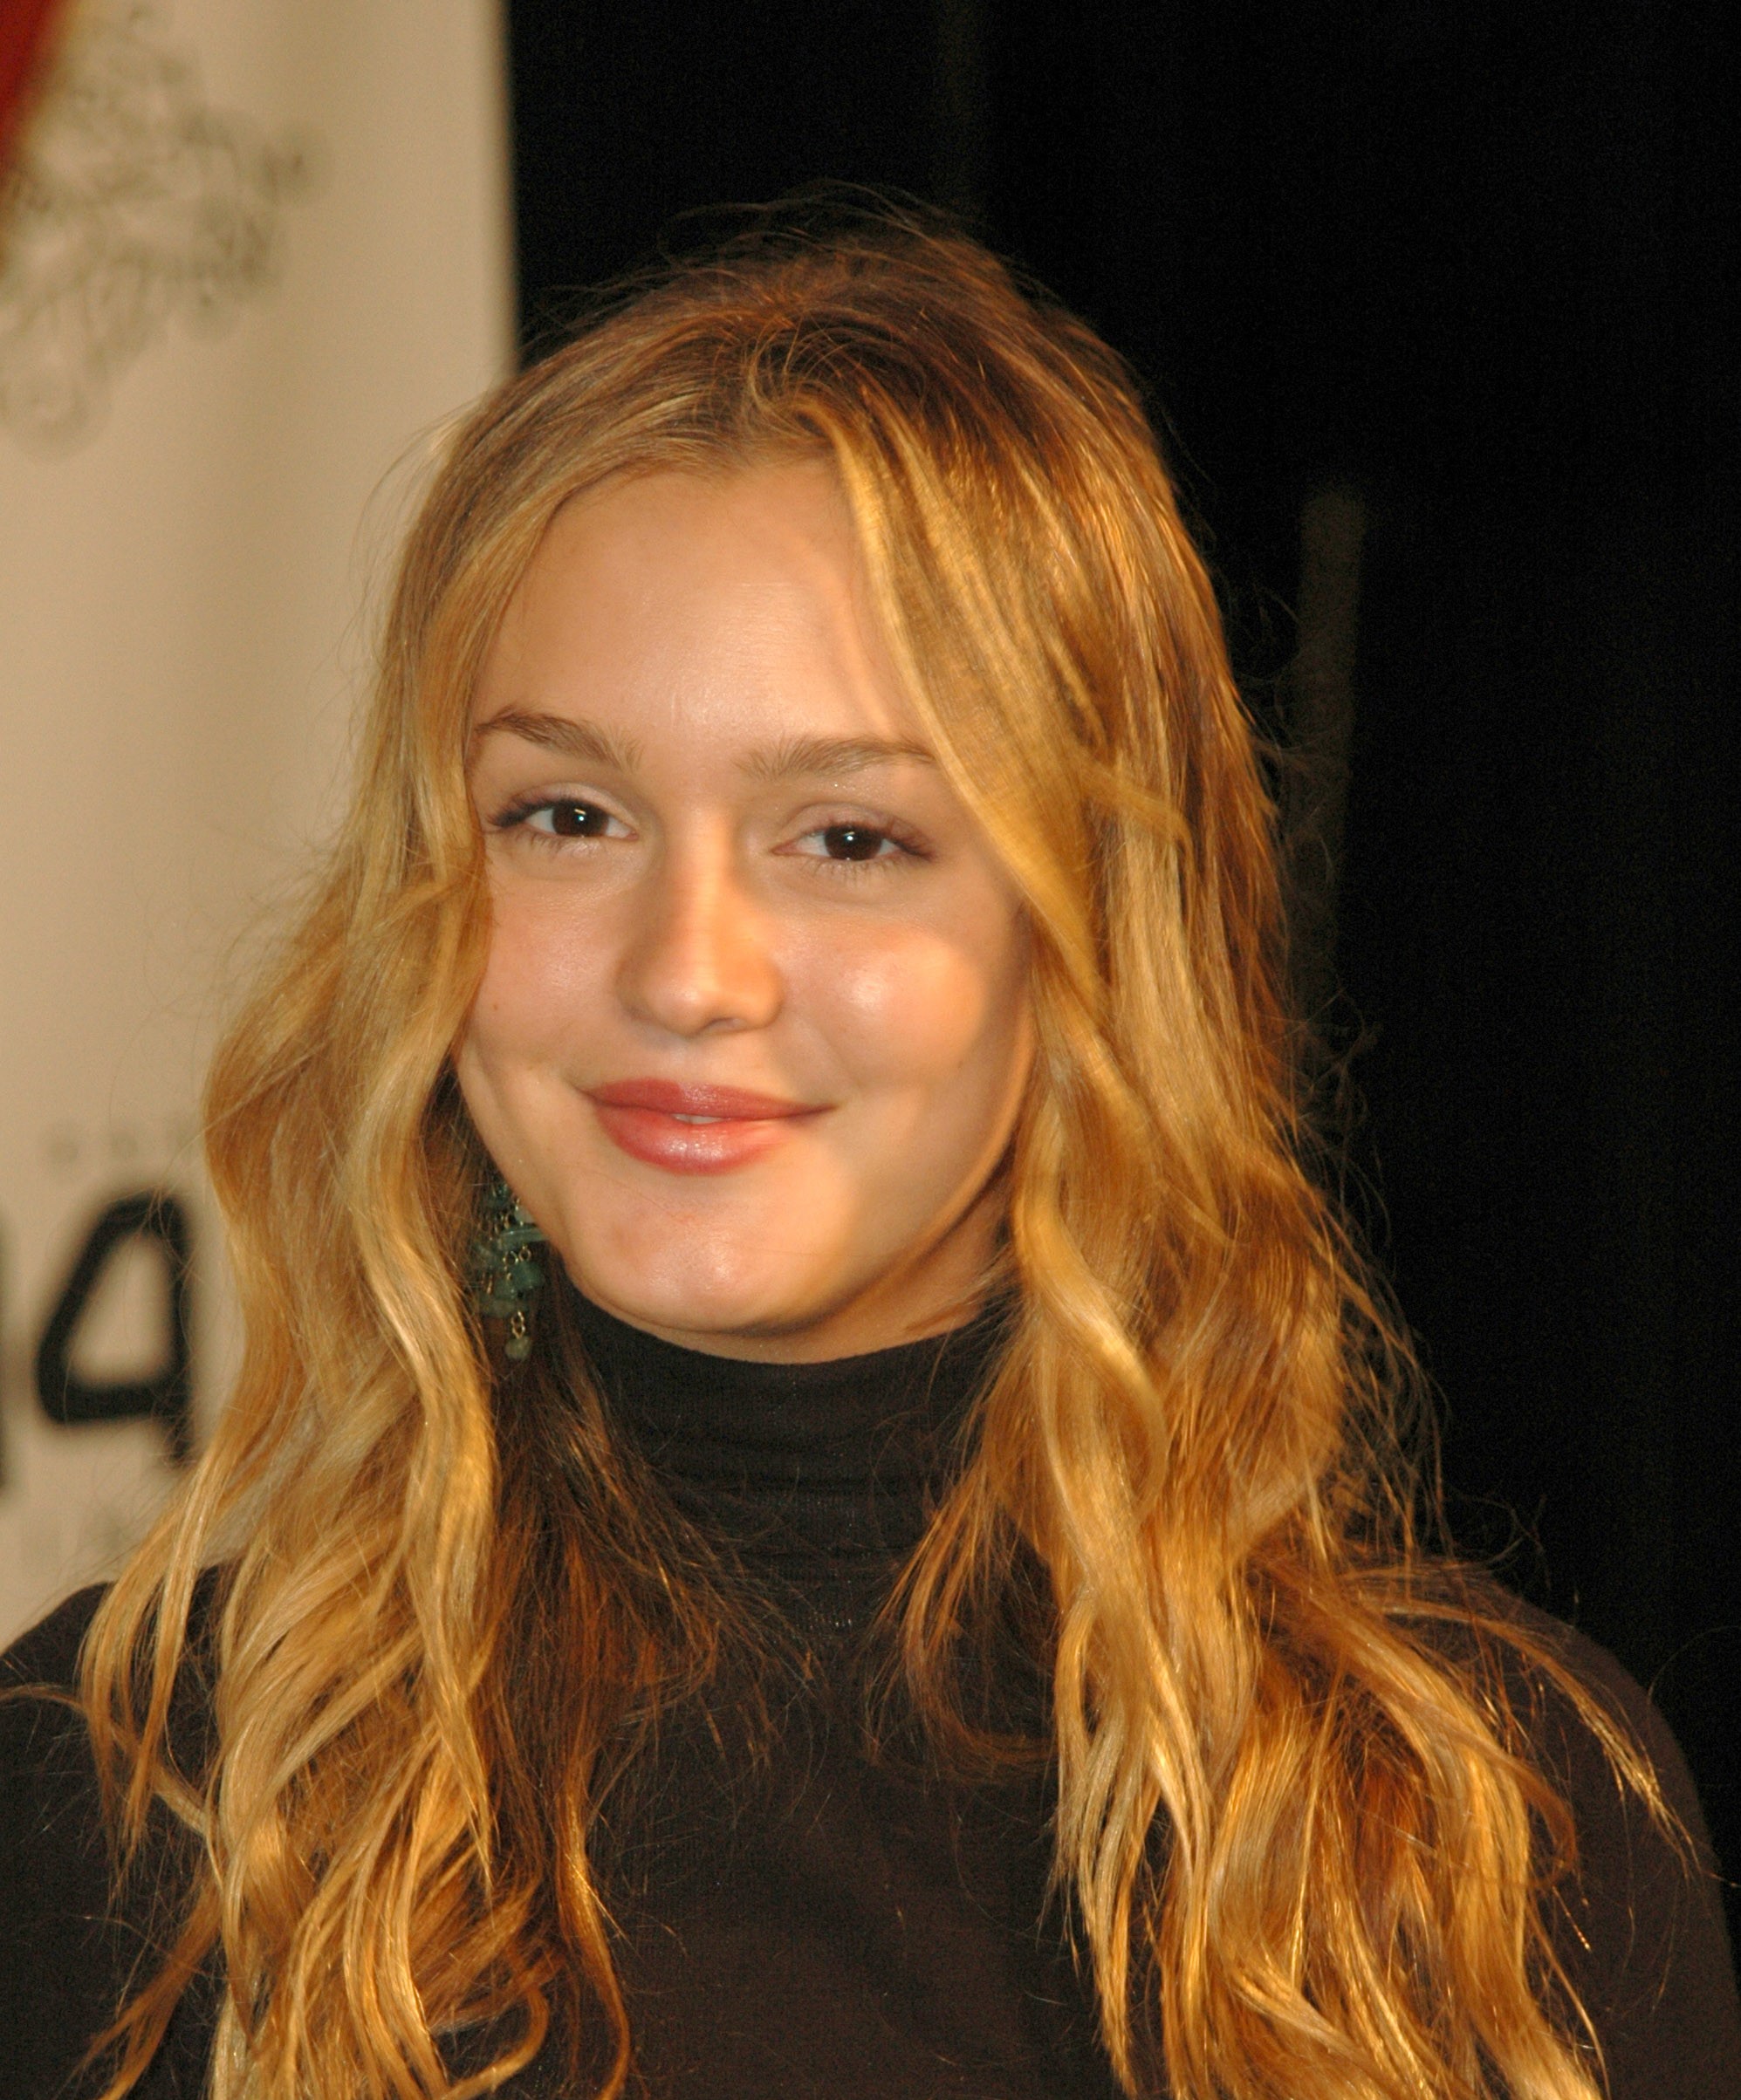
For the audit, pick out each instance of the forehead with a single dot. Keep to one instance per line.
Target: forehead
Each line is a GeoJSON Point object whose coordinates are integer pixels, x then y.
{"type": "Point", "coordinates": [700, 603]}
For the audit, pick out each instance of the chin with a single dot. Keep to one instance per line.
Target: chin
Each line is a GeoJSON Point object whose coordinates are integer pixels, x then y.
{"type": "Point", "coordinates": [699, 1290]}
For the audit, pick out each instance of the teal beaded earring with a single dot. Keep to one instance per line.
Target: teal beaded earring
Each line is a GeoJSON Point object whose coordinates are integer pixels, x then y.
{"type": "Point", "coordinates": [502, 1278]}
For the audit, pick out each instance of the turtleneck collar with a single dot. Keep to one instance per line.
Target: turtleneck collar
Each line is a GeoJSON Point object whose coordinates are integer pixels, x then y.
{"type": "Point", "coordinates": [813, 1470]}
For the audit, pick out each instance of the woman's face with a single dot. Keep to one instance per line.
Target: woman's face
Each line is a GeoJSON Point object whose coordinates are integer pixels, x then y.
{"type": "Point", "coordinates": [755, 1026]}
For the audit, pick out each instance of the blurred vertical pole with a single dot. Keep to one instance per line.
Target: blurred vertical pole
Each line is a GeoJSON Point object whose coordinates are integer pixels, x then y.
{"type": "Point", "coordinates": [1320, 724]}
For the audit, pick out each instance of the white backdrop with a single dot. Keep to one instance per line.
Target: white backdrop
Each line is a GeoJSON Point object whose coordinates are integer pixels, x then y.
{"type": "Point", "coordinates": [254, 253]}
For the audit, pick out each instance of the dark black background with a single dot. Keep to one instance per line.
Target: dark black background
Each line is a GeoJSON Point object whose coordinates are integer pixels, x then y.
{"type": "Point", "coordinates": [1464, 259]}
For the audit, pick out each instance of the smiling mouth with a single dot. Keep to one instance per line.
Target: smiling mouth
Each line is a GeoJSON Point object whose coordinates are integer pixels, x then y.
{"type": "Point", "coordinates": [693, 1129]}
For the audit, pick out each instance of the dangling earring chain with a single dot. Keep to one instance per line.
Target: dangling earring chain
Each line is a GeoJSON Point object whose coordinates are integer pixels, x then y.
{"type": "Point", "coordinates": [502, 1277]}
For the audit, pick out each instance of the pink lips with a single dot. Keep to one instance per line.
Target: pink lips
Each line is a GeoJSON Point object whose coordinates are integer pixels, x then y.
{"type": "Point", "coordinates": [650, 1120]}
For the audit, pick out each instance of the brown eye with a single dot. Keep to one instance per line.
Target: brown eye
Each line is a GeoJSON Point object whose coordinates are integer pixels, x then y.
{"type": "Point", "coordinates": [853, 842]}
{"type": "Point", "coordinates": [577, 820]}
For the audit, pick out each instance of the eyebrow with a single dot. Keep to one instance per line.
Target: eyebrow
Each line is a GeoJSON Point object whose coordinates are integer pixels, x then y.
{"type": "Point", "coordinates": [560, 733]}
{"type": "Point", "coordinates": [793, 757]}
{"type": "Point", "coordinates": [796, 757]}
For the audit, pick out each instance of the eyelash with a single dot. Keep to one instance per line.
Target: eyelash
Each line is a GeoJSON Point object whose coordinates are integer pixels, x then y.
{"type": "Point", "coordinates": [517, 815]}
{"type": "Point", "coordinates": [911, 849]}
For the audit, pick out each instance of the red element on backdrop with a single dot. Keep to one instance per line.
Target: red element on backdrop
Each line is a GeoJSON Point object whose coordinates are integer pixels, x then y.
{"type": "Point", "coordinates": [24, 37]}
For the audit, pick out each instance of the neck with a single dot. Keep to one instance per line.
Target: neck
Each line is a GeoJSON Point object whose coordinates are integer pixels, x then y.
{"type": "Point", "coordinates": [802, 1463]}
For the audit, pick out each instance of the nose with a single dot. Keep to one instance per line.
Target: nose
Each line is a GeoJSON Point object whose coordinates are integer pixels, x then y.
{"type": "Point", "coordinates": [698, 957]}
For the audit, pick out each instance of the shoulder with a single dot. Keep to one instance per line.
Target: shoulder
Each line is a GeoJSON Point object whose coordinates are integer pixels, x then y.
{"type": "Point", "coordinates": [48, 1655]}
{"type": "Point", "coordinates": [68, 1945]}
{"type": "Point", "coordinates": [1638, 1921]}
{"type": "Point", "coordinates": [54, 1867]}
{"type": "Point", "coordinates": [44, 1757]}
{"type": "Point", "coordinates": [39, 1713]}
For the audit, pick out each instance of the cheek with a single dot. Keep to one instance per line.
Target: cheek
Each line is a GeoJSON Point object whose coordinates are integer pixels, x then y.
{"type": "Point", "coordinates": [927, 1009]}
{"type": "Point", "coordinates": [542, 970]}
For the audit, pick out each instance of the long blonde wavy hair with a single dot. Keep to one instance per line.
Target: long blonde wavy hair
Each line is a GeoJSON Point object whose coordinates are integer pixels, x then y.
{"type": "Point", "coordinates": [1300, 1833]}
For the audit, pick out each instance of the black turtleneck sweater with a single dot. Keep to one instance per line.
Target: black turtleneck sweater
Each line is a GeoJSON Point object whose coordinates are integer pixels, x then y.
{"type": "Point", "coordinates": [835, 1924]}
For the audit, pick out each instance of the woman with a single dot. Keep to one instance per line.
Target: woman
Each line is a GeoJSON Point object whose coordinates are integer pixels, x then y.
{"type": "Point", "coordinates": [916, 1590]}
